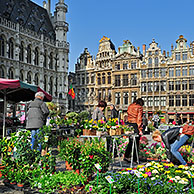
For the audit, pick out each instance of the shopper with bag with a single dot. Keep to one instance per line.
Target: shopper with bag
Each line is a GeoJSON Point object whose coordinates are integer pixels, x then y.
{"type": "Point", "coordinates": [173, 139]}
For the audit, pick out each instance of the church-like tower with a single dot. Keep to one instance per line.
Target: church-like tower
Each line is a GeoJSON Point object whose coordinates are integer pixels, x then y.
{"type": "Point", "coordinates": [61, 29]}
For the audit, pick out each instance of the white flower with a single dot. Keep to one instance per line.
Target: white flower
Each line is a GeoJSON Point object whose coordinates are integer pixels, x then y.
{"type": "Point", "coordinates": [153, 178]}
{"type": "Point", "coordinates": [154, 171]}
{"type": "Point", "coordinates": [183, 182]}
{"type": "Point", "coordinates": [177, 177]}
{"type": "Point", "coordinates": [148, 164]}
{"type": "Point", "coordinates": [141, 169]}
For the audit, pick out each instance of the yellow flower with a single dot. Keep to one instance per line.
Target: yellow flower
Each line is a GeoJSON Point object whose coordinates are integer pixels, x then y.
{"type": "Point", "coordinates": [178, 171]}
{"type": "Point", "coordinates": [145, 175]}
{"type": "Point", "coordinates": [167, 172]}
{"type": "Point", "coordinates": [161, 169]}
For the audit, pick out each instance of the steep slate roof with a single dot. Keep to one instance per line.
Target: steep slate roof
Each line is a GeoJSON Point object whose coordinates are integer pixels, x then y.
{"type": "Point", "coordinates": [28, 14]}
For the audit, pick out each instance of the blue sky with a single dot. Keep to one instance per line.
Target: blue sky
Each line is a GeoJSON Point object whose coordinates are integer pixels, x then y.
{"type": "Point", "coordinates": [138, 21]}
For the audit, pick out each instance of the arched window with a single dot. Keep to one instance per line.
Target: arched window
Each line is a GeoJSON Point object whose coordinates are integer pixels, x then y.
{"type": "Point", "coordinates": [2, 72]}
{"type": "Point", "coordinates": [51, 86]}
{"type": "Point", "coordinates": [45, 83]}
{"type": "Point", "coordinates": [2, 46]}
{"type": "Point", "coordinates": [21, 55]}
{"type": "Point", "coordinates": [11, 73]}
{"type": "Point", "coordinates": [21, 75]}
{"type": "Point", "coordinates": [36, 57]}
{"type": "Point", "coordinates": [36, 79]}
{"type": "Point", "coordinates": [156, 62]}
{"type": "Point", "coordinates": [45, 59]}
{"type": "Point", "coordinates": [10, 49]}
{"type": "Point", "coordinates": [51, 61]}
{"type": "Point", "coordinates": [29, 54]}
{"type": "Point", "coordinates": [29, 77]}
{"type": "Point", "coordinates": [150, 61]}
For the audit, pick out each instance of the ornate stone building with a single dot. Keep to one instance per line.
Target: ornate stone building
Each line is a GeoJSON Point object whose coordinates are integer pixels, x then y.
{"type": "Point", "coordinates": [165, 82]}
{"type": "Point", "coordinates": [34, 47]}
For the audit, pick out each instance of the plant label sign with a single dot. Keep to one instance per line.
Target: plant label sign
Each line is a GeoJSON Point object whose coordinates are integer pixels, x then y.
{"type": "Point", "coordinates": [190, 173]}
{"type": "Point", "coordinates": [109, 179]}
{"type": "Point", "coordinates": [138, 174]}
{"type": "Point", "coordinates": [98, 167]}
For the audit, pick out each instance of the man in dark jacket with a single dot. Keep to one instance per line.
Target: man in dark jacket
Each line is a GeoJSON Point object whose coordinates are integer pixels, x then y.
{"type": "Point", "coordinates": [114, 112]}
{"type": "Point", "coordinates": [36, 117]}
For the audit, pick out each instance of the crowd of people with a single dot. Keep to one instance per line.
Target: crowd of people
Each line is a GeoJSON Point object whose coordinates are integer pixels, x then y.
{"type": "Point", "coordinates": [173, 138]}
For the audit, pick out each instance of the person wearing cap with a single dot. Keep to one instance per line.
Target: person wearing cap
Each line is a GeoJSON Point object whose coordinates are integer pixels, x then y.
{"type": "Point", "coordinates": [36, 117]}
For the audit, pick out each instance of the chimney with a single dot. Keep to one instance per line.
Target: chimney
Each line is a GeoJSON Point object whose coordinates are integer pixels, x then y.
{"type": "Point", "coordinates": [164, 53]}
{"type": "Point", "coordinates": [167, 53]}
{"type": "Point", "coordinates": [171, 46]}
{"type": "Point", "coordinates": [144, 49]}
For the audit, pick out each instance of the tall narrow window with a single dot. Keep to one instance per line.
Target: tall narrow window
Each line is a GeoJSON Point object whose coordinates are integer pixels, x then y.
{"type": "Point", "coordinates": [21, 55]}
{"type": "Point", "coordinates": [92, 78]}
{"type": "Point", "coordinates": [163, 100]}
{"type": "Point", "coordinates": [133, 79]}
{"type": "Point", "coordinates": [177, 56]}
{"type": "Point", "coordinates": [156, 87]}
{"type": "Point", "coordinates": [178, 85]}
{"type": "Point", "coordinates": [184, 85]}
{"type": "Point", "coordinates": [171, 72]}
{"type": "Point", "coordinates": [156, 62]}
{"type": "Point", "coordinates": [163, 85]}
{"type": "Point", "coordinates": [99, 79]}
{"type": "Point", "coordinates": [184, 55]}
{"type": "Point", "coordinates": [171, 85]}
{"type": "Point", "coordinates": [2, 46]}
{"type": "Point", "coordinates": [150, 87]}
{"type": "Point", "coordinates": [51, 86]}
{"type": "Point", "coordinates": [191, 100]}
{"type": "Point", "coordinates": [143, 73]}
{"type": "Point", "coordinates": [11, 73]}
{"type": "Point", "coordinates": [36, 79]}
{"type": "Point", "coordinates": [150, 101]}
{"type": "Point", "coordinates": [156, 73]}
{"type": "Point", "coordinates": [150, 61]}
{"type": "Point", "coordinates": [10, 49]}
{"type": "Point", "coordinates": [143, 86]}
{"type": "Point", "coordinates": [178, 71]}
{"type": "Point", "coordinates": [109, 78]}
{"type": "Point", "coordinates": [103, 79]}
{"type": "Point", "coordinates": [133, 65]}
{"type": "Point", "coordinates": [133, 96]}
{"type": "Point", "coordinates": [156, 101]}
{"type": "Point", "coordinates": [150, 73]}
{"type": "Point", "coordinates": [21, 75]}
{"type": "Point", "coordinates": [184, 100]}
{"type": "Point", "coordinates": [184, 71]}
{"type": "Point", "coordinates": [2, 72]}
{"type": "Point", "coordinates": [45, 59]}
{"type": "Point", "coordinates": [125, 98]}
{"type": "Point", "coordinates": [29, 77]}
{"type": "Point", "coordinates": [125, 66]}
{"type": "Point", "coordinates": [45, 83]}
{"type": "Point", "coordinates": [117, 80]}
{"type": "Point", "coordinates": [171, 100]}
{"type": "Point", "coordinates": [178, 100]}
{"type": "Point", "coordinates": [29, 54]}
{"type": "Point", "coordinates": [125, 79]}
{"type": "Point", "coordinates": [191, 84]}
{"type": "Point", "coordinates": [36, 57]}
{"type": "Point", "coordinates": [117, 98]}
{"type": "Point", "coordinates": [51, 61]}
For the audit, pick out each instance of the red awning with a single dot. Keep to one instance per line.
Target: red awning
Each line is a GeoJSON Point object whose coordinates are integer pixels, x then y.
{"type": "Point", "coordinates": [171, 113]}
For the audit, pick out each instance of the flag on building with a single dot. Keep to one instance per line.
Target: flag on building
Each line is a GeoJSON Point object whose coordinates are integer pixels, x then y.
{"type": "Point", "coordinates": [71, 92]}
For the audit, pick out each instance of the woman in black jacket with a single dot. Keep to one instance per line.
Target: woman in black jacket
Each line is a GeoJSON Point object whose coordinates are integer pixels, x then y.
{"type": "Point", "coordinates": [173, 140]}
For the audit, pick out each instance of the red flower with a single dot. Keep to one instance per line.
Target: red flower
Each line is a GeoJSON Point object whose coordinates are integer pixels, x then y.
{"type": "Point", "coordinates": [170, 181]}
{"type": "Point", "coordinates": [91, 156]}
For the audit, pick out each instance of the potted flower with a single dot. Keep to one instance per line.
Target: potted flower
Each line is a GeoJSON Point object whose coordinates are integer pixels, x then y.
{"type": "Point", "coordinates": [101, 127]}
{"type": "Point", "coordinates": [113, 127]}
{"type": "Point", "coordinates": [88, 124]}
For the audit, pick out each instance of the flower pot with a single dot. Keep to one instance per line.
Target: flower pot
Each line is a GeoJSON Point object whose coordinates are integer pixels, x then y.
{"type": "Point", "coordinates": [68, 166]}
{"type": "Point", "coordinates": [92, 132]}
{"type": "Point", "coordinates": [85, 131]}
{"type": "Point", "coordinates": [20, 185]}
{"type": "Point", "coordinates": [98, 133]}
{"type": "Point", "coordinates": [112, 132]}
{"type": "Point", "coordinates": [118, 131]}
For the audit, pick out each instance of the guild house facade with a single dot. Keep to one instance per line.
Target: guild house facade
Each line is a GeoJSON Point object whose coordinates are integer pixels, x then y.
{"type": "Point", "coordinates": [34, 47]}
{"type": "Point", "coordinates": [164, 80]}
